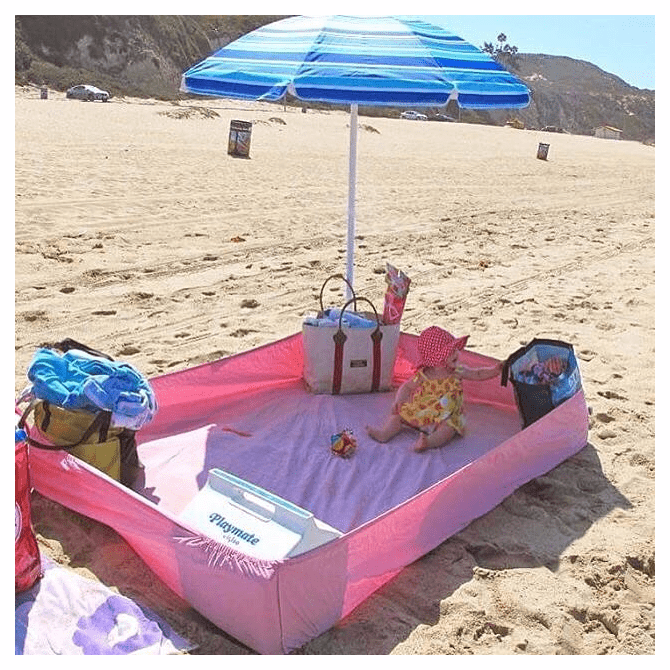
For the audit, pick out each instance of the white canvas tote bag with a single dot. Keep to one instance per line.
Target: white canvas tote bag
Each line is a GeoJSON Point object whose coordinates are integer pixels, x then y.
{"type": "Point", "coordinates": [344, 359]}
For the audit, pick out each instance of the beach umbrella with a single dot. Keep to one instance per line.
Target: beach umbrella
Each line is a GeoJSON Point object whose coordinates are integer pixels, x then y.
{"type": "Point", "coordinates": [365, 60]}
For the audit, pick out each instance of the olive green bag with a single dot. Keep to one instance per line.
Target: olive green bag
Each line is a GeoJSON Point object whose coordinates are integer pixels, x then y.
{"type": "Point", "coordinates": [86, 435]}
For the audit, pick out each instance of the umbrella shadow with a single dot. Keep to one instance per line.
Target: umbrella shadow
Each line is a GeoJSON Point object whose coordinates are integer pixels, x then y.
{"type": "Point", "coordinates": [534, 527]}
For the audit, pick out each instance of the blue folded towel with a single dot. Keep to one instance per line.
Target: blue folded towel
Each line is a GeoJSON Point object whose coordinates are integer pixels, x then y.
{"type": "Point", "coordinates": [77, 380]}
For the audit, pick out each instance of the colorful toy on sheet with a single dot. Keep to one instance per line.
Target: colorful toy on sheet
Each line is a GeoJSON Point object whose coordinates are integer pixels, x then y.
{"type": "Point", "coordinates": [343, 444]}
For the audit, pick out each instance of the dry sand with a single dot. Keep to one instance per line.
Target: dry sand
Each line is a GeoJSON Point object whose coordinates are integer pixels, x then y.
{"type": "Point", "coordinates": [137, 234]}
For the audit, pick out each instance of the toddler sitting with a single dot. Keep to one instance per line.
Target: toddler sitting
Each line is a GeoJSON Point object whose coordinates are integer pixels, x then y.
{"type": "Point", "coordinates": [432, 400]}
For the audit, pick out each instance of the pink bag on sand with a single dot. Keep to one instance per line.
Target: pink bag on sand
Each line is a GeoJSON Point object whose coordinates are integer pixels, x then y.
{"type": "Point", "coordinates": [28, 565]}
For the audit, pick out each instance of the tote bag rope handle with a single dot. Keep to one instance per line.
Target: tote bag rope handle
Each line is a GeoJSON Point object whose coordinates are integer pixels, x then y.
{"type": "Point", "coordinates": [68, 344]}
{"type": "Point", "coordinates": [340, 338]}
{"type": "Point", "coordinates": [346, 281]}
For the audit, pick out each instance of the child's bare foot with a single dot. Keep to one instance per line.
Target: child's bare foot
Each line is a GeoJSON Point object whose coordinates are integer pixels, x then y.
{"type": "Point", "coordinates": [421, 443]}
{"type": "Point", "coordinates": [376, 434]}
{"type": "Point", "coordinates": [435, 440]}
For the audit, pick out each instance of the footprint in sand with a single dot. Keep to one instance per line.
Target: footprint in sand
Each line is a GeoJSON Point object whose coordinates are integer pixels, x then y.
{"type": "Point", "coordinates": [590, 484]}
{"type": "Point", "coordinates": [640, 459]}
{"type": "Point", "coordinates": [611, 395]}
{"type": "Point", "coordinates": [644, 564]}
{"type": "Point", "coordinates": [128, 350]}
{"type": "Point", "coordinates": [36, 315]}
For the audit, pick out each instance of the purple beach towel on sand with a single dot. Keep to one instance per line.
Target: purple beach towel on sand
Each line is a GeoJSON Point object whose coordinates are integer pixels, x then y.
{"type": "Point", "coordinates": [66, 614]}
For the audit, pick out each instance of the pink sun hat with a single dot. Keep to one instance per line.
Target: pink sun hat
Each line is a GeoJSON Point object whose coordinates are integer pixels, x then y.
{"type": "Point", "coordinates": [436, 345]}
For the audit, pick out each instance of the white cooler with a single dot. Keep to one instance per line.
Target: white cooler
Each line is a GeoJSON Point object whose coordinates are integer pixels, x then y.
{"type": "Point", "coordinates": [239, 514]}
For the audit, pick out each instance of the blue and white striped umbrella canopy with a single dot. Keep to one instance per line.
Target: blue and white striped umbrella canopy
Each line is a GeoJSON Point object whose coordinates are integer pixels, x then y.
{"type": "Point", "coordinates": [364, 60]}
{"type": "Point", "coordinates": [369, 60]}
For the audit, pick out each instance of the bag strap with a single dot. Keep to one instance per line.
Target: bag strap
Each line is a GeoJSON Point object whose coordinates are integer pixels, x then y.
{"type": "Point", "coordinates": [504, 374]}
{"type": "Point", "coordinates": [345, 280]}
{"type": "Point", "coordinates": [338, 359]}
{"type": "Point", "coordinates": [100, 423]}
{"type": "Point", "coordinates": [68, 343]}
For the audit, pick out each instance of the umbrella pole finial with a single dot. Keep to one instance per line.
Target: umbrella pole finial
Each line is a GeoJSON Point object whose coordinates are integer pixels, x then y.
{"type": "Point", "coordinates": [351, 209]}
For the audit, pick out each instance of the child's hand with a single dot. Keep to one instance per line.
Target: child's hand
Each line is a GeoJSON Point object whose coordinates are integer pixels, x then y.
{"type": "Point", "coordinates": [481, 374]}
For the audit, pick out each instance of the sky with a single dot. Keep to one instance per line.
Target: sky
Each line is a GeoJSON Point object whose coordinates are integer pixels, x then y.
{"type": "Point", "coordinates": [622, 45]}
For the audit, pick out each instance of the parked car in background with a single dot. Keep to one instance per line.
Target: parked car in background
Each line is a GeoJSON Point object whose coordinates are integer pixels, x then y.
{"type": "Point", "coordinates": [442, 117]}
{"type": "Point", "coordinates": [414, 116]}
{"type": "Point", "coordinates": [87, 92]}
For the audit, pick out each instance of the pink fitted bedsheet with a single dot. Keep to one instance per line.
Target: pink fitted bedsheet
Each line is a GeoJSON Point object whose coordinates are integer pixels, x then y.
{"type": "Point", "coordinates": [250, 415]}
{"type": "Point", "coordinates": [281, 442]}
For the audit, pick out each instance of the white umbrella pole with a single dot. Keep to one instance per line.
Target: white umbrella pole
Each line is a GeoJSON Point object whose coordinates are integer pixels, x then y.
{"type": "Point", "coordinates": [351, 209]}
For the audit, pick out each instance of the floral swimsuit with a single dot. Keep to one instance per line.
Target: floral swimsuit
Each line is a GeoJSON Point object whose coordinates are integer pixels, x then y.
{"type": "Point", "coordinates": [434, 402]}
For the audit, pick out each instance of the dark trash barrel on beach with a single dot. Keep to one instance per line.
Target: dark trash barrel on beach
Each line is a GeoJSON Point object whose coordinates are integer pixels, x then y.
{"type": "Point", "coordinates": [44, 93]}
{"type": "Point", "coordinates": [239, 138]}
{"type": "Point", "coordinates": [542, 151]}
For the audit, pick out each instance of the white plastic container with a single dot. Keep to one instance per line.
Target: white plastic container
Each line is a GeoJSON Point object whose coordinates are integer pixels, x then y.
{"type": "Point", "coordinates": [239, 514]}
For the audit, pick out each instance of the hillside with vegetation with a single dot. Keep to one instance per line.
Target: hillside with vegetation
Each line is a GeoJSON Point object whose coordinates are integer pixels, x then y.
{"type": "Point", "coordinates": [144, 56]}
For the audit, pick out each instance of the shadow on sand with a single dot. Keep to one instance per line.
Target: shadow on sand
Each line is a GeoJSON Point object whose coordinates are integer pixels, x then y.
{"type": "Point", "coordinates": [532, 528]}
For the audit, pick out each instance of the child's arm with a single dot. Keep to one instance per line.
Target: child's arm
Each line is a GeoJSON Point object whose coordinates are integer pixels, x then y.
{"type": "Point", "coordinates": [480, 374]}
{"type": "Point", "coordinates": [404, 393]}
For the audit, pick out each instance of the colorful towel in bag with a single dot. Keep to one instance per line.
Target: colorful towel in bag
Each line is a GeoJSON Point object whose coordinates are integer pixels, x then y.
{"type": "Point", "coordinates": [77, 380]}
{"type": "Point", "coordinates": [544, 374]}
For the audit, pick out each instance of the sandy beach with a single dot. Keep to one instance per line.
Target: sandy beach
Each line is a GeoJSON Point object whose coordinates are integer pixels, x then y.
{"type": "Point", "coordinates": [137, 234]}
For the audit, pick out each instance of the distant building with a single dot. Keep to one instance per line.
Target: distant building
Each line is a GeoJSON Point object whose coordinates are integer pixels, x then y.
{"type": "Point", "coordinates": [608, 133]}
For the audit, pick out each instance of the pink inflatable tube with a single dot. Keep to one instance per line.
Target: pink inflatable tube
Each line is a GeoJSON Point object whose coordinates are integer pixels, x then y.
{"type": "Point", "coordinates": [250, 415]}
